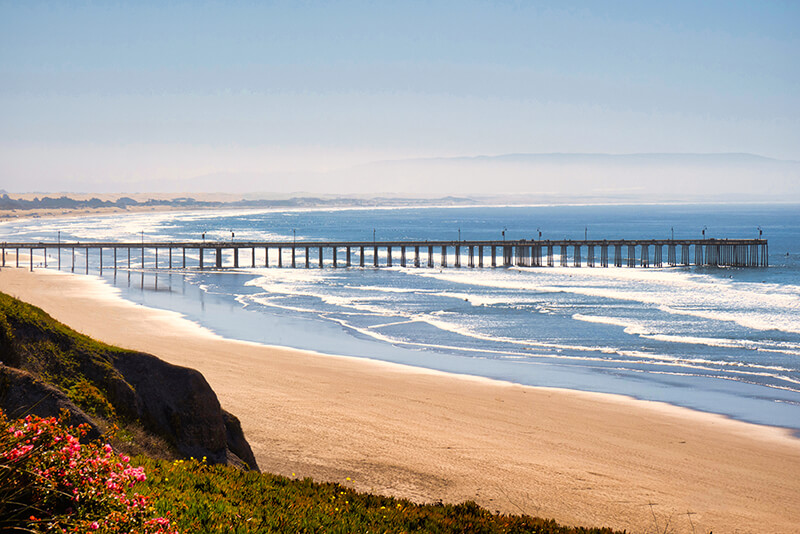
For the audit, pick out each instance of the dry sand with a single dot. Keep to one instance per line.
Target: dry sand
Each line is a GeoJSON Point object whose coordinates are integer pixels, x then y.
{"type": "Point", "coordinates": [580, 458]}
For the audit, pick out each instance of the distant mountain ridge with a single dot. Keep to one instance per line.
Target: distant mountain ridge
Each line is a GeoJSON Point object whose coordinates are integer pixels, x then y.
{"type": "Point", "coordinates": [539, 177]}
{"type": "Point", "coordinates": [634, 177]}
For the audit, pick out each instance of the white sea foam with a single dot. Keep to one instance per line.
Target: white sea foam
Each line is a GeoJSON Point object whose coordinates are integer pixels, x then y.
{"type": "Point", "coordinates": [483, 300]}
{"type": "Point", "coordinates": [756, 306]}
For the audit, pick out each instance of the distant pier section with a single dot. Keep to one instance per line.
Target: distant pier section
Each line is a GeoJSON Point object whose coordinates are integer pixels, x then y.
{"type": "Point", "coordinates": [430, 254]}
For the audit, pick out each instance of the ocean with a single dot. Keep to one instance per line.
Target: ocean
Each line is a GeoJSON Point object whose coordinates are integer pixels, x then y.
{"type": "Point", "coordinates": [721, 340]}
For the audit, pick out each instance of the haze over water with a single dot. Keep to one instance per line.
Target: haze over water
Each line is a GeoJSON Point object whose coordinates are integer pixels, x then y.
{"type": "Point", "coordinates": [724, 340]}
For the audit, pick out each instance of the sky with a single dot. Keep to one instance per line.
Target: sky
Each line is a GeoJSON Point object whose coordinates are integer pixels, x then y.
{"type": "Point", "coordinates": [120, 94]}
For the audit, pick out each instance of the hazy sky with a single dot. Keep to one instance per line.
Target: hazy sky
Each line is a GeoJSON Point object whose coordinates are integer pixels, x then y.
{"type": "Point", "coordinates": [115, 92]}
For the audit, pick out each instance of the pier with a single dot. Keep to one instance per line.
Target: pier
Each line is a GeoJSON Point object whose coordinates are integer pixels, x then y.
{"type": "Point", "coordinates": [419, 254]}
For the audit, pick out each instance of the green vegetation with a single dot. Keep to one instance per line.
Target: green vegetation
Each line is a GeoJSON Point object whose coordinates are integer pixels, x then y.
{"type": "Point", "coordinates": [35, 342]}
{"type": "Point", "coordinates": [221, 499]}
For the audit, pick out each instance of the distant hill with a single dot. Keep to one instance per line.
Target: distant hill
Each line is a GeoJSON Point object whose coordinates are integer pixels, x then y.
{"type": "Point", "coordinates": [575, 177]}
{"type": "Point", "coordinates": [504, 178]}
{"type": "Point", "coordinates": [650, 177]}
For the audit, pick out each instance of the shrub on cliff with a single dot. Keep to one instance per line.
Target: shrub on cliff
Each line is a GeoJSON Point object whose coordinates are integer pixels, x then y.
{"type": "Point", "coordinates": [51, 482]}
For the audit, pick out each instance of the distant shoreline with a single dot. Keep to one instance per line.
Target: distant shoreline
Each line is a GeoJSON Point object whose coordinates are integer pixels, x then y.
{"type": "Point", "coordinates": [179, 202]}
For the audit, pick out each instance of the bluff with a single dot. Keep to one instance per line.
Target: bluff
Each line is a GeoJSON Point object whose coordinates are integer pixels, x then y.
{"type": "Point", "coordinates": [162, 409]}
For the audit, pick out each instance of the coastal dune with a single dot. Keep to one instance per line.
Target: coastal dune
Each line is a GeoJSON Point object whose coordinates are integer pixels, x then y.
{"type": "Point", "coordinates": [580, 458]}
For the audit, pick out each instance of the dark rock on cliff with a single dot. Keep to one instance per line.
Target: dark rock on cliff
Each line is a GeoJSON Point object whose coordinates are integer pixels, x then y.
{"type": "Point", "coordinates": [178, 401]}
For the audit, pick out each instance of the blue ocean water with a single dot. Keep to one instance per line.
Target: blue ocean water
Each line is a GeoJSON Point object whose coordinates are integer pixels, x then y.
{"type": "Point", "coordinates": [723, 340]}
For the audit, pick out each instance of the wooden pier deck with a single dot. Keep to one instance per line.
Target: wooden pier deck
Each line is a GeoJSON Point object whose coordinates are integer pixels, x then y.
{"type": "Point", "coordinates": [440, 254]}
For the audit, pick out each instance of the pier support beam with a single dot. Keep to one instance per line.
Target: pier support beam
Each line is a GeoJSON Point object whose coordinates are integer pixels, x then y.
{"type": "Point", "coordinates": [443, 263]}
{"type": "Point", "coordinates": [507, 255]}
{"type": "Point", "coordinates": [430, 256]}
{"type": "Point", "coordinates": [374, 256]}
{"type": "Point", "coordinates": [320, 259]}
{"type": "Point", "coordinates": [416, 256]}
{"type": "Point", "coordinates": [361, 256]}
{"type": "Point", "coordinates": [388, 256]}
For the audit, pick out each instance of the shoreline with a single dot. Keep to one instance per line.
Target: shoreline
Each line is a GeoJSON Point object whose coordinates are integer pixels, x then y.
{"type": "Point", "coordinates": [579, 457]}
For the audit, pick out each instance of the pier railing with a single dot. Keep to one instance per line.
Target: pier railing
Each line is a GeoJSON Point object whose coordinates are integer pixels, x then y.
{"type": "Point", "coordinates": [308, 254]}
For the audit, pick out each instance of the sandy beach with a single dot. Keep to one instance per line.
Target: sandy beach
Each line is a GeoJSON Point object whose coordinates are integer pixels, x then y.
{"type": "Point", "coordinates": [580, 458]}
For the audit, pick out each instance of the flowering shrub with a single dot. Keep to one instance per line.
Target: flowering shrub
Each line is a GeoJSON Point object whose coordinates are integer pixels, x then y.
{"type": "Point", "coordinates": [50, 482]}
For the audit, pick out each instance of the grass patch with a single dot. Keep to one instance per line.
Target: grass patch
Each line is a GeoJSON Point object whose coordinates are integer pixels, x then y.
{"type": "Point", "coordinates": [89, 397]}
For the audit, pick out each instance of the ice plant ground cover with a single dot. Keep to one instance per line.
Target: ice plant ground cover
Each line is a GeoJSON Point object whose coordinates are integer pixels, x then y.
{"type": "Point", "coordinates": [221, 499]}
{"type": "Point", "coordinates": [51, 482]}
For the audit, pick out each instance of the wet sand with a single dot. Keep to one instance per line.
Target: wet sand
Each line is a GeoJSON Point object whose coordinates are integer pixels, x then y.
{"type": "Point", "coordinates": [580, 458]}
